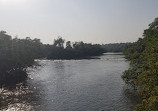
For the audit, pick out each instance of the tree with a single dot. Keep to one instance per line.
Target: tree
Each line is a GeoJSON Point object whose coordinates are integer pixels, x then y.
{"type": "Point", "coordinates": [59, 42]}
{"type": "Point", "coordinates": [143, 72]}
{"type": "Point", "coordinates": [15, 56]}
{"type": "Point", "coordinates": [68, 45]}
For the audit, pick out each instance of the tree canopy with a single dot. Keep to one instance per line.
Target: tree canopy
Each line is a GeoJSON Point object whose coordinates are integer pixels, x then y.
{"type": "Point", "coordinates": [115, 47]}
{"type": "Point", "coordinates": [15, 56]}
{"type": "Point", "coordinates": [76, 50]}
{"type": "Point", "coordinates": [143, 72]}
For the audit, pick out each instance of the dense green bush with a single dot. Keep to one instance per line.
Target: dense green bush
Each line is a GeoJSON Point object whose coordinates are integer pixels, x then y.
{"type": "Point", "coordinates": [77, 50]}
{"type": "Point", "coordinates": [15, 56]}
{"type": "Point", "coordinates": [143, 72]}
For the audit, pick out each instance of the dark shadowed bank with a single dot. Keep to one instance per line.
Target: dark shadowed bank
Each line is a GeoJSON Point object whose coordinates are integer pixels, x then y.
{"type": "Point", "coordinates": [15, 56]}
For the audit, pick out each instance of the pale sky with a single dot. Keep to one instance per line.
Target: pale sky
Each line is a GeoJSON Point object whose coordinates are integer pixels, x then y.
{"type": "Point", "coordinates": [95, 21]}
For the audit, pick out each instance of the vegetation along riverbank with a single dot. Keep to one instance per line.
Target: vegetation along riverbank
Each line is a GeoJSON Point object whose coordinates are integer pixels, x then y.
{"type": "Point", "coordinates": [143, 71]}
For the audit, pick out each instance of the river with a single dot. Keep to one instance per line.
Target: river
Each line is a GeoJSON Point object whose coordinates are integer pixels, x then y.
{"type": "Point", "coordinates": [80, 85]}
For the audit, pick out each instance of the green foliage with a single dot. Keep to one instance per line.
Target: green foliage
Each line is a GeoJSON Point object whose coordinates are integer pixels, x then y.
{"type": "Point", "coordinates": [77, 50]}
{"type": "Point", "coordinates": [115, 47]}
{"type": "Point", "coordinates": [15, 56]}
{"type": "Point", "coordinates": [143, 72]}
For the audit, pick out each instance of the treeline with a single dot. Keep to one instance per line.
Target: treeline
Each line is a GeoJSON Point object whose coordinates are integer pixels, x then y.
{"type": "Point", "coordinates": [115, 47]}
{"type": "Point", "coordinates": [15, 56]}
{"type": "Point", "coordinates": [76, 50]}
{"type": "Point", "coordinates": [18, 54]}
{"type": "Point", "coordinates": [143, 72]}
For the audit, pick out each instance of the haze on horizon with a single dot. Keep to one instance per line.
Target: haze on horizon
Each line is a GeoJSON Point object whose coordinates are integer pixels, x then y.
{"type": "Point", "coordinates": [95, 21]}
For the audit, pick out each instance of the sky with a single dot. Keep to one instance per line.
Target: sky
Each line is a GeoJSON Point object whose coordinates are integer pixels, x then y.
{"type": "Point", "coordinates": [92, 21]}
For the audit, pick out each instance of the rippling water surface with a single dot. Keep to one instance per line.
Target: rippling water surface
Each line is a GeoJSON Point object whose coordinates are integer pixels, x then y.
{"type": "Point", "coordinates": [80, 85]}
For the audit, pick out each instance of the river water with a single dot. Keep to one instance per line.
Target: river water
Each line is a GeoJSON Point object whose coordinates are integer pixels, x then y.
{"type": "Point", "coordinates": [80, 85]}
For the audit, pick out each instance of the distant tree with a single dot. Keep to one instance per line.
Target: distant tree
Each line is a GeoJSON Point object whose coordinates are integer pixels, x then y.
{"type": "Point", "coordinates": [78, 51]}
{"type": "Point", "coordinates": [68, 45]}
{"type": "Point", "coordinates": [59, 42]}
{"type": "Point", "coordinates": [115, 47]}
